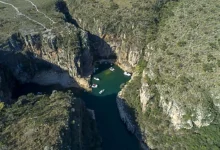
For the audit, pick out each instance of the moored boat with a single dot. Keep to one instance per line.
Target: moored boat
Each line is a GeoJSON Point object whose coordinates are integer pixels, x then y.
{"type": "Point", "coordinates": [100, 92]}
{"type": "Point", "coordinates": [111, 68]}
{"type": "Point", "coordinates": [94, 85]}
{"type": "Point", "coordinates": [95, 78]}
{"type": "Point", "coordinates": [127, 74]}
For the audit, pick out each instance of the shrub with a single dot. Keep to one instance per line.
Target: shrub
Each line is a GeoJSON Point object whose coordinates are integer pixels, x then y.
{"type": "Point", "coordinates": [2, 105]}
{"type": "Point", "coordinates": [208, 67]}
{"type": "Point", "coordinates": [210, 57]}
{"type": "Point", "coordinates": [213, 45]}
{"type": "Point", "coordinates": [181, 43]}
{"type": "Point", "coordinates": [218, 63]}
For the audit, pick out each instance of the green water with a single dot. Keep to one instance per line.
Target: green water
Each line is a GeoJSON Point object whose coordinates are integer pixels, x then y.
{"type": "Point", "coordinates": [114, 134]}
{"type": "Point", "coordinates": [113, 131]}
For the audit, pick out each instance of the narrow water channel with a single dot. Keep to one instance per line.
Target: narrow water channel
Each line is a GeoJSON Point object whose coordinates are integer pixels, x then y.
{"type": "Point", "coordinates": [114, 134]}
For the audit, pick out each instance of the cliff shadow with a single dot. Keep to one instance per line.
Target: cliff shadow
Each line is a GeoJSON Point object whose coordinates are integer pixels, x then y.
{"type": "Point", "coordinates": [62, 7]}
{"type": "Point", "coordinates": [102, 66]}
{"type": "Point", "coordinates": [101, 49]}
{"type": "Point", "coordinates": [26, 67]}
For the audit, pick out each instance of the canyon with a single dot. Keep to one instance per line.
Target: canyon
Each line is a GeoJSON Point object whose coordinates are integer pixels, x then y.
{"type": "Point", "coordinates": [172, 99]}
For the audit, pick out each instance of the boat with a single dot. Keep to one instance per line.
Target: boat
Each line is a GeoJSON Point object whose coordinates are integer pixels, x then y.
{"type": "Point", "coordinates": [127, 74]}
{"type": "Point", "coordinates": [95, 78]}
{"type": "Point", "coordinates": [100, 92]}
{"type": "Point", "coordinates": [111, 68]}
{"type": "Point", "coordinates": [94, 85]}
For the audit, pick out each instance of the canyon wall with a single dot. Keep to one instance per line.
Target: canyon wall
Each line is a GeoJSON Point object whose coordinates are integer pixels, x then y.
{"type": "Point", "coordinates": [63, 122]}
{"type": "Point", "coordinates": [174, 97]}
{"type": "Point", "coordinates": [121, 39]}
{"type": "Point", "coordinates": [65, 49]}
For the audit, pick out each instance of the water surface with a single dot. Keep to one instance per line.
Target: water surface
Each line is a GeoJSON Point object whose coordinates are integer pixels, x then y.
{"type": "Point", "coordinates": [114, 133]}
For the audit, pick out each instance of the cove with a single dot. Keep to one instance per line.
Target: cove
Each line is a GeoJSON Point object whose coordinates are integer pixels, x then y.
{"type": "Point", "coordinates": [115, 135]}
{"type": "Point", "coordinates": [113, 131]}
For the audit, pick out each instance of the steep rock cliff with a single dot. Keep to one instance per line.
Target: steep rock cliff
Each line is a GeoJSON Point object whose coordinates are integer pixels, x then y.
{"type": "Point", "coordinates": [56, 121]}
{"type": "Point", "coordinates": [124, 26]}
{"type": "Point", "coordinates": [67, 48]}
{"type": "Point", "coordinates": [175, 97]}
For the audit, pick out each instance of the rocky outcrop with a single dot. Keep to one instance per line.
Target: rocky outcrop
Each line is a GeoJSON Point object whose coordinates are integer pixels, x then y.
{"type": "Point", "coordinates": [68, 48]}
{"type": "Point", "coordinates": [145, 93]}
{"type": "Point", "coordinates": [55, 124]}
{"type": "Point", "coordinates": [124, 111]}
{"type": "Point", "coordinates": [129, 121]}
{"type": "Point", "coordinates": [127, 48]}
{"type": "Point", "coordinates": [111, 46]}
{"type": "Point", "coordinates": [127, 54]}
{"type": "Point", "coordinates": [126, 118]}
{"type": "Point", "coordinates": [54, 77]}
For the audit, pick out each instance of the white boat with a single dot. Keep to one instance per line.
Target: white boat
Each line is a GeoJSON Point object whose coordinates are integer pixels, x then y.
{"type": "Point", "coordinates": [111, 68]}
{"type": "Point", "coordinates": [100, 92]}
{"type": "Point", "coordinates": [96, 78]}
{"type": "Point", "coordinates": [127, 74]}
{"type": "Point", "coordinates": [94, 85]}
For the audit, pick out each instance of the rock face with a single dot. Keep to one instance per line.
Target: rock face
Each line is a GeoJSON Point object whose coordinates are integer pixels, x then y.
{"type": "Point", "coordinates": [127, 118]}
{"type": "Point", "coordinates": [127, 54]}
{"type": "Point", "coordinates": [67, 48]}
{"type": "Point", "coordinates": [176, 100]}
{"type": "Point", "coordinates": [113, 39]}
{"type": "Point", "coordinates": [37, 45]}
{"type": "Point", "coordinates": [175, 95]}
{"type": "Point", "coordinates": [145, 93]}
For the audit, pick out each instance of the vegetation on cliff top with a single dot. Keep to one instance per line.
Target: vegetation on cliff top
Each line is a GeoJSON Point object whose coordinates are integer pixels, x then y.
{"type": "Point", "coordinates": [181, 38]}
{"type": "Point", "coordinates": [58, 121]}
{"type": "Point", "coordinates": [182, 68]}
{"type": "Point", "coordinates": [134, 20]}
